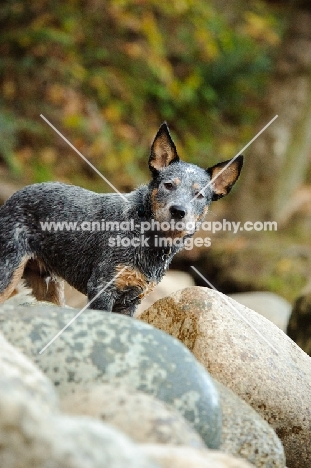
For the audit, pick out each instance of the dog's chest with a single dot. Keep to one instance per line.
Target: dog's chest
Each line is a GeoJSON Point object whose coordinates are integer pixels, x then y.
{"type": "Point", "coordinates": [143, 275]}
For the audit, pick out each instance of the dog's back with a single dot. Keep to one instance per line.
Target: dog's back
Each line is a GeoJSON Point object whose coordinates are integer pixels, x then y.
{"type": "Point", "coordinates": [44, 222]}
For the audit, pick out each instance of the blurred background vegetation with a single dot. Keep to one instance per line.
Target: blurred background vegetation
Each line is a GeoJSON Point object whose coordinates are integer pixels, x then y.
{"type": "Point", "coordinates": [107, 73]}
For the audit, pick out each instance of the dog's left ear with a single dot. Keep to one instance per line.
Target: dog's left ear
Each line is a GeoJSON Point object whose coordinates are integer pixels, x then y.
{"type": "Point", "coordinates": [225, 178]}
{"type": "Point", "coordinates": [163, 151]}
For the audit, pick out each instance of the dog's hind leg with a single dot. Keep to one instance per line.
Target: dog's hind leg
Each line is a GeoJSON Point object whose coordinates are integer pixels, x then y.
{"type": "Point", "coordinates": [11, 272]}
{"type": "Point", "coordinates": [14, 253]}
{"type": "Point", "coordinates": [45, 287]}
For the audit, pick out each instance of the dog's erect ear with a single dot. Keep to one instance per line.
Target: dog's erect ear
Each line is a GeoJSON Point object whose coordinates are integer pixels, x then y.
{"type": "Point", "coordinates": [163, 151]}
{"type": "Point", "coordinates": [225, 178]}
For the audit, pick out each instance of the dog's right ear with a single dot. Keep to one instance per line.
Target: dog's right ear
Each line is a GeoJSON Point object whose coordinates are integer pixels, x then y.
{"type": "Point", "coordinates": [163, 151]}
{"type": "Point", "coordinates": [224, 175]}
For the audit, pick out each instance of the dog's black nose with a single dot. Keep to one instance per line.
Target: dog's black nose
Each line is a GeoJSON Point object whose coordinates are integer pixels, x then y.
{"type": "Point", "coordinates": [177, 212]}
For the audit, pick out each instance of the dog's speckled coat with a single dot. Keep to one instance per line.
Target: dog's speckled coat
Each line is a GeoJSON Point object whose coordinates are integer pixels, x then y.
{"type": "Point", "coordinates": [178, 191]}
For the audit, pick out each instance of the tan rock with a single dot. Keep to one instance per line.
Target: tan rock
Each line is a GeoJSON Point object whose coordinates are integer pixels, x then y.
{"type": "Point", "coordinates": [140, 416]}
{"type": "Point", "coordinates": [168, 456]}
{"type": "Point", "coordinates": [171, 282]}
{"type": "Point", "coordinates": [255, 359]}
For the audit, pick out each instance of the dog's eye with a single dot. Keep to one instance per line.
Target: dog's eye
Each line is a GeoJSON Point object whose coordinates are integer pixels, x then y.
{"type": "Point", "coordinates": [168, 185]}
{"type": "Point", "coordinates": [199, 195]}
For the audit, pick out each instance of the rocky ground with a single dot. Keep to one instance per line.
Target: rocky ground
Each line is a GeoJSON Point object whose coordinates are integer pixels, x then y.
{"type": "Point", "coordinates": [195, 380]}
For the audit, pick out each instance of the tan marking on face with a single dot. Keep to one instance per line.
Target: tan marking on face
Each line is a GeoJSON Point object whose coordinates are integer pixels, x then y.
{"type": "Point", "coordinates": [16, 277]}
{"type": "Point", "coordinates": [175, 234]}
{"type": "Point", "coordinates": [36, 275]}
{"type": "Point", "coordinates": [153, 195]}
{"type": "Point", "coordinates": [177, 181]}
{"type": "Point", "coordinates": [155, 205]}
{"type": "Point", "coordinates": [196, 186]}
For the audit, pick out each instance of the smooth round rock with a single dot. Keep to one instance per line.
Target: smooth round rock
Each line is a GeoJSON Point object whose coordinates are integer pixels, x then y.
{"type": "Point", "coordinates": [245, 434]}
{"type": "Point", "coordinates": [186, 457]}
{"type": "Point", "coordinates": [111, 348]}
{"type": "Point", "coordinates": [171, 282]}
{"type": "Point", "coordinates": [32, 438]}
{"type": "Point", "coordinates": [16, 368]}
{"type": "Point", "coordinates": [140, 416]}
{"type": "Point", "coordinates": [248, 354]}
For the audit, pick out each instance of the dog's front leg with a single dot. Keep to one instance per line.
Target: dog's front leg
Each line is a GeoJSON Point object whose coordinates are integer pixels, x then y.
{"type": "Point", "coordinates": [101, 294]}
{"type": "Point", "coordinates": [104, 301]}
{"type": "Point", "coordinates": [128, 308]}
{"type": "Point", "coordinates": [114, 296]}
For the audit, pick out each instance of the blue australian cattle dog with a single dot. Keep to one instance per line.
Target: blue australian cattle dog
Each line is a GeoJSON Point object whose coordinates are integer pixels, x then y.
{"type": "Point", "coordinates": [114, 268]}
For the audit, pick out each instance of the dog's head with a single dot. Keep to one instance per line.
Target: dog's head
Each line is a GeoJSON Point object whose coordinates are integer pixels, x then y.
{"type": "Point", "coordinates": [180, 192]}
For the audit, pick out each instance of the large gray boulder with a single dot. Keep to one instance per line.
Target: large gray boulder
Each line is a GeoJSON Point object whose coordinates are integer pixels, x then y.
{"type": "Point", "coordinates": [19, 371]}
{"type": "Point", "coordinates": [99, 347]}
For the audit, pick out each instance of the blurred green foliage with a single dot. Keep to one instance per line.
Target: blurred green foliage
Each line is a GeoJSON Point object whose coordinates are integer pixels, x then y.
{"type": "Point", "coordinates": [107, 73]}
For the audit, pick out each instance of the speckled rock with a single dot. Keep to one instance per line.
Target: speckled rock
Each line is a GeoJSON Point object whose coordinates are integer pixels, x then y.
{"type": "Point", "coordinates": [99, 347]}
{"type": "Point", "coordinates": [186, 457]}
{"type": "Point", "coordinates": [275, 382]}
{"type": "Point", "coordinates": [142, 417]}
{"type": "Point", "coordinates": [18, 369]}
{"type": "Point", "coordinates": [31, 438]}
{"type": "Point", "coordinates": [245, 434]}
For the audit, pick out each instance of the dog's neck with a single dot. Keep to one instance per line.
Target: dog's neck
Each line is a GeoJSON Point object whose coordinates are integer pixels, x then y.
{"type": "Point", "coordinates": [153, 260]}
